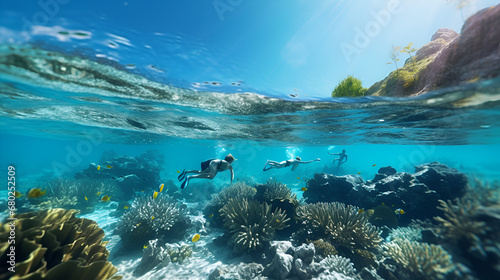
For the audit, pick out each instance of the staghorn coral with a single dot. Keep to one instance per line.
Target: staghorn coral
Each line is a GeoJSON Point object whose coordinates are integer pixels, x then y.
{"type": "Point", "coordinates": [341, 224]}
{"type": "Point", "coordinates": [54, 244]}
{"type": "Point", "coordinates": [152, 218]}
{"type": "Point", "coordinates": [406, 233]}
{"type": "Point", "coordinates": [420, 260]}
{"type": "Point", "coordinates": [273, 190]}
{"type": "Point", "coordinates": [236, 191]}
{"type": "Point", "coordinates": [459, 222]}
{"type": "Point", "coordinates": [251, 223]}
{"type": "Point", "coordinates": [339, 264]}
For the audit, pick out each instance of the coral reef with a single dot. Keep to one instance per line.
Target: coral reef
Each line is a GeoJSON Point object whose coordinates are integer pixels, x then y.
{"type": "Point", "coordinates": [54, 244]}
{"type": "Point", "coordinates": [430, 182]}
{"type": "Point", "coordinates": [323, 248]}
{"type": "Point", "coordinates": [236, 191]}
{"type": "Point", "coordinates": [132, 174]}
{"type": "Point", "coordinates": [419, 260]}
{"type": "Point", "coordinates": [342, 225]}
{"type": "Point", "coordinates": [157, 256]}
{"type": "Point", "coordinates": [251, 223]}
{"type": "Point", "coordinates": [162, 217]}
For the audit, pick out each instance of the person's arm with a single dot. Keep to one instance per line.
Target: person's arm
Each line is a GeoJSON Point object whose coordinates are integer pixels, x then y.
{"type": "Point", "coordinates": [309, 161]}
{"type": "Point", "coordinates": [345, 159]}
{"type": "Point", "coordinates": [232, 173]}
{"type": "Point", "coordinates": [332, 154]}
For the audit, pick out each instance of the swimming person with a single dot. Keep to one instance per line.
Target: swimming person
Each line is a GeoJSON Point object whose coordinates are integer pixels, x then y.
{"type": "Point", "coordinates": [293, 162]}
{"type": "Point", "coordinates": [209, 169]}
{"type": "Point", "coordinates": [342, 158]}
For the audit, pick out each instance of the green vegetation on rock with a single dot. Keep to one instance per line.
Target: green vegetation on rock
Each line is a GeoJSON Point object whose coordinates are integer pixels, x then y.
{"type": "Point", "coordinates": [349, 87]}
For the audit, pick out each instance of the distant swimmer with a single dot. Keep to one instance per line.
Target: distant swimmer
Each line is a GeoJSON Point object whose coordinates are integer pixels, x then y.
{"type": "Point", "coordinates": [342, 158]}
{"type": "Point", "coordinates": [291, 162]}
{"type": "Point", "coordinates": [209, 169]}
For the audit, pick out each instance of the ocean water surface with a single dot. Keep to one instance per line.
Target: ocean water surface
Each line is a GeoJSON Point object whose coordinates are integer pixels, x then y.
{"type": "Point", "coordinates": [102, 105]}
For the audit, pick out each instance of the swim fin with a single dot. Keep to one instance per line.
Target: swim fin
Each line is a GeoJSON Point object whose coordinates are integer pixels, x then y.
{"type": "Point", "coordinates": [181, 177]}
{"type": "Point", "coordinates": [184, 184]}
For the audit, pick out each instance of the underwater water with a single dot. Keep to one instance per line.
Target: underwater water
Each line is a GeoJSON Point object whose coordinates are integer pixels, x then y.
{"type": "Point", "coordinates": [102, 113]}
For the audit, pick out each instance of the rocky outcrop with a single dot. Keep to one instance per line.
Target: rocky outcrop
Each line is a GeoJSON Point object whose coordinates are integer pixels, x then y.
{"type": "Point", "coordinates": [429, 183]}
{"type": "Point", "coordinates": [449, 59]}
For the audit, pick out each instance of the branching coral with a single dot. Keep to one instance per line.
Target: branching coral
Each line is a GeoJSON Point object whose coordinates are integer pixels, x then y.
{"type": "Point", "coordinates": [54, 244]}
{"type": "Point", "coordinates": [406, 233]}
{"type": "Point", "coordinates": [273, 190]}
{"type": "Point", "coordinates": [341, 224]}
{"type": "Point", "coordinates": [339, 264]}
{"type": "Point", "coordinates": [236, 191]}
{"type": "Point", "coordinates": [323, 248]}
{"type": "Point", "coordinates": [459, 222]}
{"type": "Point", "coordinates": [251, 223]}
{"type": "Point", "coordinates": [151, 218]}
{"type": "Point", "coordinates": [420, 260]}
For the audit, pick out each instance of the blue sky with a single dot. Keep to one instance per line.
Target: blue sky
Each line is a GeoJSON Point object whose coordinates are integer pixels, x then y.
{"type": "Point", "coordinates": [303, 47]}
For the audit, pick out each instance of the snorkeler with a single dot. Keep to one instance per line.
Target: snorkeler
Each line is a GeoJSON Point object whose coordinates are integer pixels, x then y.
{"type": "Point", "coordinates": [209, 169]}
{"type": "Point", "coordinates": [293, 162]}
{"type": "Point", "coordinates": [342, 158]}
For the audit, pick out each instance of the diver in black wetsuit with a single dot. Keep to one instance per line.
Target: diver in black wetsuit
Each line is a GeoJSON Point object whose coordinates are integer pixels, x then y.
{"type": "Point", "coordinates": [342, 158]}
{"type": "Point", "coordinates": [291, 162]}
{"type": "Point", "coordinates": [209, 169]}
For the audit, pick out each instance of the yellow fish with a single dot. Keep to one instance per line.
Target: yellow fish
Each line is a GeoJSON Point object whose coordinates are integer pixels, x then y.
{"type": "Point", "coordinates": [303, 189]}
{"type": "Point", "coordinates": [155, 194]}
{"type": "Point", "coordinates": [161, 187]}
{"type": "Point", "coordinates": [109, 166]}
{"type": "Point", "coordinates": [298, 177]}
{"type": "Point", "coordinates": [36, 193]}
{"type": "Point", "coordinates": [145, 246]}
{"type": "Point", "coordinates": [359, 173]}
{"type": "Point", "coordinates": [361, 211]}
{"type": "Point", "coordinates": [152, 218]}
{"type": "Point", "coordinates": [125, 207]}
{"type": "Point", "coordinates": [98, 167]}
{"type": "Point", "coordinates": [399, 211]}
{"type": "Point", "coordinates": [370, 212]}
{"type": "Point", "coordinates": [374, 165]}
{"type": "Point", "coordinates": [98, 193]}
{"type": "Point", "coordinates": [211, 215]}
{"type": "Point", "coordinates": [105, 198]}
{"type": "Point", "coordinates": [17, 194]}
{"type": "Point", "coordinates": [138, 224]}
{"type": "Point", "coordinates": [86, 198]}
{"type": "Point", "coordinates": [178, 171]}
{"type": "Point", "coordinates": [196, 237]}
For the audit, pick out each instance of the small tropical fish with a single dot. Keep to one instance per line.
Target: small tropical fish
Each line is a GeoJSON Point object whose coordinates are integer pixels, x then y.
{"type": "Point", "coordinates": [374, 165]}
{"type": "Point", "coordinates": [196, 237]}
{"type": "Point", "coordinates": [399, 211]}
{"type": "Point", "coordinates": [109, 166]}
{"type": "Point", "coordinates": [361, 211]}
{"type": "Point", "coordinates": [178, 171]}
{"type": "Point", "coordinates": [142, 191]}
{"type": "Point", "coordinates": [105, 198]}
{"type": "Point", "coordinates": [211, 215]}
{"type": "Point", "coordinates": [125, 207]}
{"type": "Point", "coordinates": [98, 193]}
{"type": "Point", "coordinates": [98, 167]}
{"type": "Point", "coordinates": [36, 193]}
{"type": "Point", "coordinates": [138, 224]}
{"type": "Point", "coordinates": [155, 194]}
{"type": "Point", "coordinates": [145, 246]}
{"type": "Point", "coordinates": [161, 187]}
{"type": "Point", "coordinates": [86, 198]}
{"type": "Point", "coordinates": [383, 203]}
{"type": "Point", "coordinates": [303, 189]}
{"type": "Point", "coordinates": [152, 218]}
{"type": "Point", "coordinates": [298, 177]}
{"type": "Point", "coordinates": [17, 194]}
{"type": "Point", "coordinates": [277, 220]}
{"type": "Point", "coordinates": [370, 212]}
{"type": "Point", "coordinates": [359, 173]}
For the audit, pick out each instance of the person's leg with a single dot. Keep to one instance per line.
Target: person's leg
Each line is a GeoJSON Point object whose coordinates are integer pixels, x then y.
{"type": "Point", "coordinates": [184, 172]}
{"type": "Point", "coordinates": [334, 161]}
{"type": "Point", "coordinates": [208, 173]}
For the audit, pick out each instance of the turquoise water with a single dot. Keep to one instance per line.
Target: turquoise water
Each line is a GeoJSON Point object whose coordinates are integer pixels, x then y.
{"type": "Point", "coordinates": [76, 96]}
